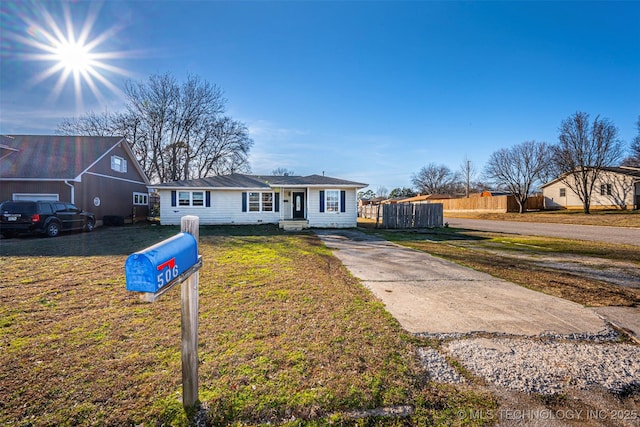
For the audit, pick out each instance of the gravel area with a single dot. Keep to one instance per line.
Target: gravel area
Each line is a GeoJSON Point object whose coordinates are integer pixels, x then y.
{"type": "Point", "coordinates": [439, 370]}
{"type": "Point", "coordinates": [540, 366]}
{"type": "Point", "coordinates": [606, 335]}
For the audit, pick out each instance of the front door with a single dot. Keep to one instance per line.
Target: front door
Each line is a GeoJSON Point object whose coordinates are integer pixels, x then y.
{"type": "Point", "coordinates": [298, 205]}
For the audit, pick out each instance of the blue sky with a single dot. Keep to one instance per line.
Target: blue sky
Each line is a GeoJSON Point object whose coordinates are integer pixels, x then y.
{"type": "Point", "coordinates": [363, 90]}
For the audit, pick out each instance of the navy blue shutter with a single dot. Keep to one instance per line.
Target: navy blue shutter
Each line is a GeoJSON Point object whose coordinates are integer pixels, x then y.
{"type": "Point", "coordinates": [277, 208]}
{"type": "Point", "coordinates": [343, 201]}
{"type": "Point", "coordinates": [208, 199]}
{"type": "Point", "coordinates": [173, 198]}
{"type": "Point", "coordinates": [321, 200]}
{"type": "Point", "coordinates": [244, 201]}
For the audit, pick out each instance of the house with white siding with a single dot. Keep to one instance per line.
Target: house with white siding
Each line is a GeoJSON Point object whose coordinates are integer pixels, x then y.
{"type": "Point", "coordinates": [292, 202]}
{"type": "Point", "coordinates": [615, 188]}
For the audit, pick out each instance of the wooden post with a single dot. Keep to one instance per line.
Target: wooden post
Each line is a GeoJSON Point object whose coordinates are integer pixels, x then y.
{"type": "Point", "coordinates": [189, 322]}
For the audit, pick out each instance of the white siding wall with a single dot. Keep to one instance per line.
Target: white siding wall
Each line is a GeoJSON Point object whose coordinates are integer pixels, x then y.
{"type": "Point", "coordinates": [553, 200]}
{"type": "Point", "coordinates": [622, 189]}
{"type": "Point", "coordinates": [226, 208]}
{"type": "Point", "coordinates": [319, 219]}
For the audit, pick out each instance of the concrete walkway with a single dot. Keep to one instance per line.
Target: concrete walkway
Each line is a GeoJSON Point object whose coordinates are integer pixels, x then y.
{"type": "Point", "coordinates": [430, 295]}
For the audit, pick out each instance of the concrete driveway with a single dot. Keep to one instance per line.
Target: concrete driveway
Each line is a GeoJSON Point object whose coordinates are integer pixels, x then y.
{"type": "Point", "coordinates": [433, 296]}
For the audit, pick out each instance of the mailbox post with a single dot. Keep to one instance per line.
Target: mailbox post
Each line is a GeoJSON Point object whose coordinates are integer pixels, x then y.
{"type": "Point", "coordinates": [189, 305]}
{"type": "Point", "coordinates": [158, 268]}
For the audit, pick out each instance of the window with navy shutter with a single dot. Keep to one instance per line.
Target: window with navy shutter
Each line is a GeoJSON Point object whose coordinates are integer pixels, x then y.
{"type": "Point", "coordinates": [260, 201]}
{"type": "Point", "coordinates": [332, 201]}
{"type": "Point", "coordinates": [197, 199]}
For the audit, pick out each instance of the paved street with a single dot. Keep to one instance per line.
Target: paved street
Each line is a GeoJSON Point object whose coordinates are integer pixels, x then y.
{"type": "Point", "coordinates": [622, 235]}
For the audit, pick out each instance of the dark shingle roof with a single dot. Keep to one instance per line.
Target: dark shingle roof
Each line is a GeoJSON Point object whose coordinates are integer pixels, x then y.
{"type": "Point", "coordinates": [50, 156]}
{"type": "Point", "coordinates": [235, 180]}
{"type": "Point", "coordinates": [310, 180]}
{"type": "Point", "coordinates": [625, 171]}
{"type": "Point", "coordinates": [259, 181]}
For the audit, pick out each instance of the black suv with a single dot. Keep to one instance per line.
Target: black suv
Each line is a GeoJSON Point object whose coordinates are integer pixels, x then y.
{"type": "Point", "coordinates": [43, 217]}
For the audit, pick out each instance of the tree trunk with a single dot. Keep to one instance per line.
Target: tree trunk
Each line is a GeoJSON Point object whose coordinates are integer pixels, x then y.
{"type": "Point", "coordinates": [522, 204]}
{"type": "Point", "coordinates": [586, 205]}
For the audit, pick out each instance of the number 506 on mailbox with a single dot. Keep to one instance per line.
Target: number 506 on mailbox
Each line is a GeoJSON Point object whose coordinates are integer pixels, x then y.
{"type": "Point", "coordinates": [155, 267]}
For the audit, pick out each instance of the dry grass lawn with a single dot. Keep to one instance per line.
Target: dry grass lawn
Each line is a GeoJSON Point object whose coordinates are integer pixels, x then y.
{"type": "Point", "coordinates": [286, 336]}
{"type": "Point", "coordinates": [615, 218]}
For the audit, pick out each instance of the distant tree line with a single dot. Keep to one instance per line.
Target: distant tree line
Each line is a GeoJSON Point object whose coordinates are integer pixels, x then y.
{"type": "Point", "coordinates": [177, 131]}
{"type": "Point", "coordinates": [583, 149]}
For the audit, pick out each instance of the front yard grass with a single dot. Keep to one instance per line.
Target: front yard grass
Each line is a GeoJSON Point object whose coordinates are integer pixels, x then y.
{"type": "Point", "coordinates": [286, 336]}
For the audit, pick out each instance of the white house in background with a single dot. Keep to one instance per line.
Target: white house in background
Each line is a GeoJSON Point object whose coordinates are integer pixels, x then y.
{"type": "Point", "coordinates": [616, 188]}
{"type": "Point", "coordinates": [293, 202]}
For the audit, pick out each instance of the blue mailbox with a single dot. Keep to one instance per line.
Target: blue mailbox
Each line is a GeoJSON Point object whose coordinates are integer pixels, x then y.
{"type": "Point", "coordinates": [157, 266]}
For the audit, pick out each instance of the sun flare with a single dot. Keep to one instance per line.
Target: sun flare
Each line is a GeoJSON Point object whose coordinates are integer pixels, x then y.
{"type": "Point", "coordinates": [73, 52]}
{"type": "Point", "coordinates": [75, 57]}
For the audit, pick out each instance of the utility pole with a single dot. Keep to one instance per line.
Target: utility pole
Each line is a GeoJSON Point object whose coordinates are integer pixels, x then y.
{"type": "Point", "coordinates": [468, 178]}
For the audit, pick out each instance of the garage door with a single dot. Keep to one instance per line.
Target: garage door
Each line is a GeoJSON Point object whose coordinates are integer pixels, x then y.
{"type": "Point", "coordinates": [35, 196]}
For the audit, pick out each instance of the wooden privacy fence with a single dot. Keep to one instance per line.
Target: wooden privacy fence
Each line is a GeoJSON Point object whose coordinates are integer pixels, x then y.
{"type": "Point", "coordinates": [369, 211]}
{"type": "Point", "coordinates": [499, 204]}
{"type": "Point", "coordinates": [410, 215]}
{"type": "Point", "coordinates": [489, 204]}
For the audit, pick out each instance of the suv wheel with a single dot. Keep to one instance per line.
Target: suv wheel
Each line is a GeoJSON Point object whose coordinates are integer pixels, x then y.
{"type": "Point", "coordinates": [90, 225]}
{"type": "Point", "coordinates": [53, 229]}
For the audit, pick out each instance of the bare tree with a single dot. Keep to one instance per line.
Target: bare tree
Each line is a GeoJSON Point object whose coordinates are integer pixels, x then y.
{"type": "Point", "coordinates": [382, 191]}
{"type": "Point", "coordinates": [437, 179]}
{"type": "Point", "coordinates": [93, 124]}
{"type": "Point", "coordinates": [223, 148]}
{"type": "Point", "coordinates": [174, 119]}
{"type": "Point", "coordinates": [583, 149]}
{"type": "Point", "coordinates": [282, 172]}
{"type": "Point", "coordinates": [177, 131]}
{"type": "Point", "coordinates": [518, 169]}
{"type": "Point", "coordinates": [618, 188]}
{"type": "Point", "coordinates": [634, 159]}
{"type": "Point", "coordinates": [110, 124]}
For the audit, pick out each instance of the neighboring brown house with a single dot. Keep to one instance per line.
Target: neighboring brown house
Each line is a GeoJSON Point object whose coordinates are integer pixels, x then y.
{"type": "Point", "coordinates": [97, 174]}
